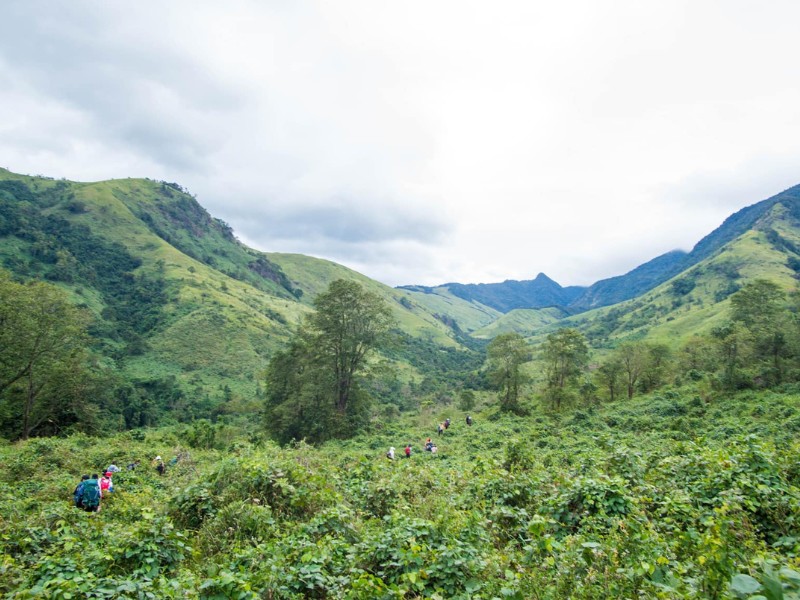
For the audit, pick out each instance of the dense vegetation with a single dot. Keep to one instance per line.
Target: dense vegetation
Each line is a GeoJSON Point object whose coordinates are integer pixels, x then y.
{"type": "Point", "coordinates": [679, 494]}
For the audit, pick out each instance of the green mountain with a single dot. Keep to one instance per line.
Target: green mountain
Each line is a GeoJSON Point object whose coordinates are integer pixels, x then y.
{"type": "Point", "coordinates": [660, 269]}
{"type": "Point", "coordinates": [188, 316]}
{"type": "Point", "coordinates": [543, 292]}
{"type": "Point", "coordinates": [697, 299]}
{"type": "Point", "coordinates": [540, 292]}
{"type": "Point", "coordinates": [181, 309]}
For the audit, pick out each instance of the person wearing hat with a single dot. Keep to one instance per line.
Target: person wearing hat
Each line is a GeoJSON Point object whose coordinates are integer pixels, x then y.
{"type": "Point", "coordinates": [160, 466]}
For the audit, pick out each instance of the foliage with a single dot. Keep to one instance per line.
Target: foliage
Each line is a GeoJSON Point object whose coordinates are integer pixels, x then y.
{"type": "Point", "coordinates": [569, 506]}
{"type": "Point", "coordinates": [312, 388]}
{"type": "Point", "coordinates": [505, 354]}
{"type": "Point", "coordinates": [45, 380]}
{"type": "Point", "coordinates": [565, 355]}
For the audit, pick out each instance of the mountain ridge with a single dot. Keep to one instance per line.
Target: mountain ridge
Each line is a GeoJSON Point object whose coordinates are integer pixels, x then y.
{"type": "Point", "coordinates": [544, 292]}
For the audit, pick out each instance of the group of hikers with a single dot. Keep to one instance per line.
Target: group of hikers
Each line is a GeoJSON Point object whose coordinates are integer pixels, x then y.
{"type": "Point", "coordinates": [93, 488]}
{"type": "Point", "coordinates": [430, 446]}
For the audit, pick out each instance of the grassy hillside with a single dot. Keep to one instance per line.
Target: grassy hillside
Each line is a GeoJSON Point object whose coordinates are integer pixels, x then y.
{"type": "Point", "coordinates": [698, 299]}
{"type": "Point", "coordinates": [525, 321]}
{"type": "Point", "coordinates": [468, 315]}
{"type": "Point", "coordinates": [178, 303]}
{"type": "Point", "coordinates": [665, 267]}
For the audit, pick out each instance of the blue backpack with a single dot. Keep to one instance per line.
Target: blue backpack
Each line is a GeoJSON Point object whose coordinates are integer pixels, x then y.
{"type": "Point", "coordinates": [90, 495]}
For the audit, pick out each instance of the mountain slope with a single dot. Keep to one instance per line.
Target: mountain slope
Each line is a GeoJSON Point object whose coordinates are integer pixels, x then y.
{"type": "Point", "coordinates": [540, 292]}
{"type": "Point", "coordinates": [697, 299]}
{"type": "Point", "coordinates": [660, 269]}
{"type": "Point", "coordinates": [180, 305]}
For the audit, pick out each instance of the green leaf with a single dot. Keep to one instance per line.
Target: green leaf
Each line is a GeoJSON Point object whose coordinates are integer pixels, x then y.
{"type": "Point", "coordinates": [773, 588]}
{"type": "Point", "coordinates": [744, 585]}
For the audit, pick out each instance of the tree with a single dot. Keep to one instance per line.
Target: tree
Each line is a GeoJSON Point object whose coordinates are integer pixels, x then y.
{"type": "Point", "coordinates": [734, 345]}
{"type": "Point", "coordinates": [634, 357]}
{"type": "Point", "coordinates": [506, 353]}
{"type": "Point", "coordinates": [42, 340]}
{"type": "Point", "coordinates": [312, 387]}
{"type": "Point", "coordinates": [566, 354]}
{"type": "Point", "coordinates": [347, 324]}
{"type": "Point", "coordinates": [609, 375]}
{"type": "Point", "coordinates": [760, 307]}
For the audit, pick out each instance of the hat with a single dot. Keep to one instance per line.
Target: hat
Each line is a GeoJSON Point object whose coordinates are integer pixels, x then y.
{"type": "Point", "coordinates": [158, 458]}
{"type": "Point", "coordinates": [108, 473]}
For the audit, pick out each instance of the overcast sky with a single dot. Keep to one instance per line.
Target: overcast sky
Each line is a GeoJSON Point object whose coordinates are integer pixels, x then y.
{"type": "Point", "coordinates": [420, 141]}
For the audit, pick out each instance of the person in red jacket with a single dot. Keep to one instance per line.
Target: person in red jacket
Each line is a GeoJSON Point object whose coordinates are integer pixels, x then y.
{"type": "Point", "coordinates": [408, 451]}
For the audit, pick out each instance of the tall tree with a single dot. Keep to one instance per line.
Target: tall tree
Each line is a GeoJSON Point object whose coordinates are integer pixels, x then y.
{"type": "Point", "coordinates": [760, 306]}
{"type": "Point", "coordinates": [506, 354]}
{"type": "Point", "coordinates": [634, 358]}
{"type": "Point", "coordinates": [312, 387]}
{"type": "Point", "coordinates": [565, 354]}
{"type": "Point", "coordinates": [42, 340]}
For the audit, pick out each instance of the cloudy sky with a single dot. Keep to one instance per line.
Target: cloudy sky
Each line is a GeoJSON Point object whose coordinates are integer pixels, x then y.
{"type": "Point", "coordinates": [420, 141]}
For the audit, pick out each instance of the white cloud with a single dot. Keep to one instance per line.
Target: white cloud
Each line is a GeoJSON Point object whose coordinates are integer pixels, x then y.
{"type": "Point", "coordinates": [420, 142]}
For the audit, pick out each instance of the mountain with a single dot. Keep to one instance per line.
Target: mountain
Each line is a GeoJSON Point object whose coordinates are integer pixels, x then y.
{"type": "Point", "coordinates": [187, 316]}
{"type": "Point", "coordinates": [766, 246]}
{"type": "Point", "coordinates": [182, 310]}
{"type": "Point", "coordinates": [540, 292]}
{"type": "Point", "coordinates": [660, 269]}
{"type": "Point", "coordinates": [543, 292]}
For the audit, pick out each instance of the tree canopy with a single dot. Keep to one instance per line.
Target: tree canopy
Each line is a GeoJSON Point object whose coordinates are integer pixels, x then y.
{"type": "Point", "coordinates": [312, 386]}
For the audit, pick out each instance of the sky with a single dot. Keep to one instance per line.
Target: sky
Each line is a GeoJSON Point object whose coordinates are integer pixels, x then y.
{"type": "Point", "coordinates": [420, 142]}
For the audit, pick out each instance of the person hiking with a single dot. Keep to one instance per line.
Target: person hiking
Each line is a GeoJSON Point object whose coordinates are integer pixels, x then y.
{"type": "Point", "coordinates": [390, 453]}
{"type": "Point", "coordinates": [428, 445]}
{"type": "Point", "coordinates": [160, 466]}
{"type": "Point", "coordinates": [408, 451]}
{"type": "Point", "coordinates": [469, 420]}
{"type": "Point", "coordinates": [77, 495]}
{"type": "Point", "coordinates": [447, 423]}
{"type": "Point", "coordinates": [113, 468]}
{"type": "Point", "coordinates": [91, 494]}
{"type": "Point", "coordinates": [441, 428]}
{"type": "Point", "coordinates": [106, 485]}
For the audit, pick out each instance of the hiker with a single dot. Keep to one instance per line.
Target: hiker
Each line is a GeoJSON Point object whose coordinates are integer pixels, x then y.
{"type": "Point", "coordinates": [469, 420]}
{"type": "Point", "coordinates": [160, 466]}
{"type": "Point", "coordinates": [106, 485]}
{"type": "Point", "coordinates": [132, 466]}
{"type": "Point", "coordinates": [77, 495]}
{"type": "Point", "coordinates": [441, 428]}
{"type": "Point", "coordinates": [447, 423]}
{"type": "Point", "coordinates": [428, 445]}
{"type": "Point", "coordinates": [408, 451]}
{"type": "Point", "coordinates": [390, 453]}
{"type": "Point", "coordinates": [91, 494]}
{"type": "Point", "coordinates": [112, 468]}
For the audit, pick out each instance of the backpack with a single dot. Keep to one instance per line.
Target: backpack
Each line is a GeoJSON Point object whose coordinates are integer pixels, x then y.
{"type": "Point", "coordinates": [90, 496]}
{"type": "Point", "coordinates": [77, 495]}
